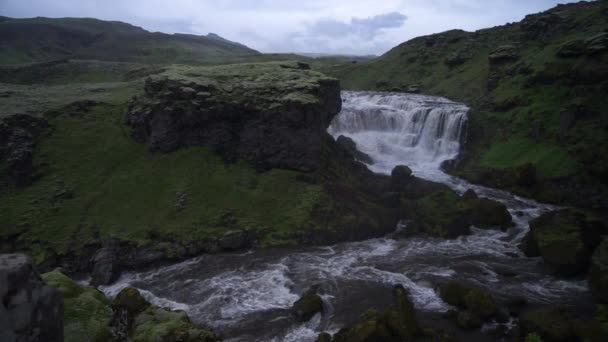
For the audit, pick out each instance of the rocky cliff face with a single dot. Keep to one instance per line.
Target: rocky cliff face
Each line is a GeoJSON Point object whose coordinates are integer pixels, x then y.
{"type": "Point", "coordinates": [273, 115]}
{"type": "Point", "coordinates": [31, 311]}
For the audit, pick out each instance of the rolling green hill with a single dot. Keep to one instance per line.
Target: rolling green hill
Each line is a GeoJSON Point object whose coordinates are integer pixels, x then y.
{"type": "Point", "coordinates": [537, 92]}
{"type": "Point", "coordinates": [42, 39]}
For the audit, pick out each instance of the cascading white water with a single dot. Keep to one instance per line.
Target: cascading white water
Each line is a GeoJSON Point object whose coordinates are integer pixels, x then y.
{"type": "Point", "coordinates": [393, 128]}
{"type": "Point", "coordinates": [247, 296]}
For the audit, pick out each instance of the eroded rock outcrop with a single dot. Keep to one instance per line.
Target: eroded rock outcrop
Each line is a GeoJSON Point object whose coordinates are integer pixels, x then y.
{"type": "Point", "coordinates": [19, 134]}
{"type": "Point", "coordinates": [31, 311]}
{"type": "Point", "coordinates": [270, 114]}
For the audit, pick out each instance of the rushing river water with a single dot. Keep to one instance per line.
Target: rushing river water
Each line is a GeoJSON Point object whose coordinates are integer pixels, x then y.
{"type": "Point", "coordinates": [247, 296]}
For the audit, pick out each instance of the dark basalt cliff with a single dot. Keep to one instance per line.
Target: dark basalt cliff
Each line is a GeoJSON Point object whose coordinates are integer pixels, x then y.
{"type": "Point", "coordinates": [273, 115]}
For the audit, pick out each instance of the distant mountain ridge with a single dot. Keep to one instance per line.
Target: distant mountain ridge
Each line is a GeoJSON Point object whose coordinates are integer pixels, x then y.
{"type": "Point", "coordinates": [41, 39]}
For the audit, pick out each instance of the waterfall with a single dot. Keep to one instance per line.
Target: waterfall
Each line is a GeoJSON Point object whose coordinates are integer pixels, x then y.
{"type": "Point", "coordinates": [416, 130]}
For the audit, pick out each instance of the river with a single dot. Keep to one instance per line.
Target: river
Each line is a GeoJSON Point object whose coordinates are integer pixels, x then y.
{"type": "Point", "coordinates": [247, 296]}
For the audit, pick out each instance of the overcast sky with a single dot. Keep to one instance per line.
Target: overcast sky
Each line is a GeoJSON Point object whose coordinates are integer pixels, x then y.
{"type": "Point", "coordinates": [318, 26]}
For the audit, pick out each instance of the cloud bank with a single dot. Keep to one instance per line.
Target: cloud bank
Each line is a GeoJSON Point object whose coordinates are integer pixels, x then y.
{"type": "Point", "coordinates": [316, 26]}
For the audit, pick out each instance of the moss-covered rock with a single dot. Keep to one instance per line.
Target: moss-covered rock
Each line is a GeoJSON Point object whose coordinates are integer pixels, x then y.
{"type": "Point", "coordinates": [87, 312]}
{"type": "Point", "coordinates": [309, 304]}
{"type": "Point", "coordinates": [396, 324]}
{"type": "Point", "coordinates": [598, 273]}
{"type": "Point", "coordinates": [131, 300]}
{"type": "Point", "coordinates": [447, 215]}
{"type": "Point", "coordinates": [565, 239]}
{"type": "Point", "coordinates": [475, 305]}
{"type": "Point", "coordinates": [551, 324]}
{"type": "Point", "coordinates": [162, 325]}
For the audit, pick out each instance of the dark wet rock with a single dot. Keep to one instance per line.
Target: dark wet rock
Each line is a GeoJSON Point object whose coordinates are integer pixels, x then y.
{"type": "Point", "coordinates": [268, 114]}
{"type": "Point", "coordinates": [516, 304]}
{"type": "Point", "coordinates": [106, 263]}
{"type": "Point", "coordinates": [502, 54]}
{"type": "Point", "coordinates": [445, 214]}
{"type": "Point", "coordinates": [350, 145]}
{"type": "Point", "coordinates": [505, 271]}
{"type": "Point", "coordinates": [31, 311]}
{"type": "Point", "coordinates": [598, 273]}
{"type": "Point", "coordinates": [572, 48]}
{"type": "Point", "coordinates": [401, 175]}
{"type": "Point", "coordinates": [469, 195]}
{"type": "Point", "coordinates": [551, 324]}
{"type": "Point", "coordinates": [324, 337]}
{"type": "Point", "coordinates": [565, 239]}
{"type": "Point", "coordinates": [526, 175]}
{"type": "Point", "coordinates": [487, 213]}
{"type": "Point", "coordinates": [309, 304]}
{"type": "Point", "coordinates": [396, 324]}
{"type": "Point", "coordinates": [131, 301]}
{"type": "Point", "coordinates": [468, 320]}
{"type": "Point", "coordinates": [235, 239]}
{"type": "Point", "coordinates": [475, 304]}
{"type": "Point", "coordinates": [19, 135]}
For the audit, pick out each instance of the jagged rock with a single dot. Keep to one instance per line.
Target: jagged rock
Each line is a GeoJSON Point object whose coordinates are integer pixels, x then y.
{"type": "Point", "coordinates": [503, 53]}
{"type": "Point", "coordinates": [457, 58]}
{"type": "Point", "coordinates": [565, 239]}
{"type": "Point", "coordinates": [87, 311]}
{"type": "Point", "coordinates": [573, 48]}
{"type": "Point", "coordinates": [396, 324]}
{"type": "Point", "coordinates": [542, 25]}
{"type": "Point", "coordinates": [274, 115]}
{"type": "Point", "coordinates": [106, 264]}
{"type": "Point", "coordinates": [401, 175]}
{"type": "Point", "coordinates": [598, 273]}
{"type": "Point", "coordinates": [597, 43]}
{"type": "Point", "coordinates": [19, 134]}
{"type": "Point", "coordinates": [31, 311]}
{"type": "Point", "coordinates": [351, 147]}
{"type": "Point", "coordinates": [309, 304]}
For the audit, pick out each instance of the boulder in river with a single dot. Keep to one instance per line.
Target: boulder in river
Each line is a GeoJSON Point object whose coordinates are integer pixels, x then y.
{"type": "Point", "coordinates": [396, 324]}
{"type": "Point", "coordinates": [350, 145]}
{"type": "Point", "coordinates": [565, 239]}
{"type": "Point", "coordinates": [309, 304]}
{"type": "Point", "coordinates": [401, 175]}
{"type": "Point", "coordinates": [475, 304]}
{"type": "Point", "coordinates": [106, 264]}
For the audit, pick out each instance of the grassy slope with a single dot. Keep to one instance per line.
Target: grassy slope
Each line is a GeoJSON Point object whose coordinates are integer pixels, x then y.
{"type": "Point", "coordinates": [499, 137]}
{"type": "Point", "coordinates": [42, 39]}
{"type": "Point", "coordinates": [122, 189]}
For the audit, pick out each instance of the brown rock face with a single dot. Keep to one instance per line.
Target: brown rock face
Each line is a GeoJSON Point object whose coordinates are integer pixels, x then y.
{"type": "Point", "coordinates": [267, 114]}
{"type": "Point", "coordinates": [31, 311]}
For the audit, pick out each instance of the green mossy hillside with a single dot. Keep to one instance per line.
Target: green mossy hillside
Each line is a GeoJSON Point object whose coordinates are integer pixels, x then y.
{"type": "Point", "coordinates": [96, 181]}
{"type": "Point", "coordinates": [536, 91]}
